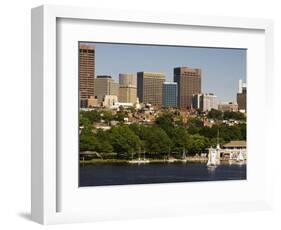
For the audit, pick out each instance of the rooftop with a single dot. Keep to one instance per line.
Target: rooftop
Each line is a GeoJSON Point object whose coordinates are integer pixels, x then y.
{"type": "Point", "coordinates": [235, 144]}
{"type": "Point", "coordinates": [103, 76]}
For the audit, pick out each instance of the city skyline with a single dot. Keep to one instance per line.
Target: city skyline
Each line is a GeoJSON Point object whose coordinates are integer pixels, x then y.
{"type": "Point", "coordinates": [222, 68]}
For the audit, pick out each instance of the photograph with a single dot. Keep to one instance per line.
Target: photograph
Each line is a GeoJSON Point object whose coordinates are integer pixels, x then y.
{"type": "Point", "coordinates": [153, 114]}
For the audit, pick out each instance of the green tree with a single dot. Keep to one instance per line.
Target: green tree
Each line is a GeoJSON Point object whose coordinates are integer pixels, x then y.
{"type": "Point", "coordinates": [157, 141]}
{"type": "Point", "coordinates": [243, 131]}
{"type": "Point", "coordinates": [166, 122]}
{"type": "Point", "coordinates": [88, 143]}
{"type": "Point", "coordinates": [92, 115]}
{"type": "Point", "coordinates": [227, 115]}
{"type": "Point", "coordinates": [209, 132]}
{"type": "Point", "coordinates": [179, 140]}
{"type": "Point", "coordinates": [215, 114]}
{"type": "Point", "coordinates": [124, 140]}
{"type": "Point", "coordinates": [197, 144]}
{"type": "Point", "coordinates": [229, 133]}
{"type": "Point", "coordinates": [120, 116]}
{"type": "Point", "coordinates": [85, 124]}
{"type": "Point", "coordinates": [106, 115]}
{"type": "Point", "coordinates": [194, 125]}
{"type": "Point", "coordinates": [104, 146]}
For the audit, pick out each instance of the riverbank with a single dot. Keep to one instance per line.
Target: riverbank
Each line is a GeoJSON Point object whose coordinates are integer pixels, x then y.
{"type": "Point", "coordinates": [123, 161]}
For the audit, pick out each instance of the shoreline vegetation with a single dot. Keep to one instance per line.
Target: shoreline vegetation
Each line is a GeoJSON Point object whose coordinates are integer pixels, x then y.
{"type": "Point", "coordinates": [171, 134]}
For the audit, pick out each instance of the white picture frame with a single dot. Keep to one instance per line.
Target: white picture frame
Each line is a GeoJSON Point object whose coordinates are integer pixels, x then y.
{"type": "Point", "coordinates": [55, 201]}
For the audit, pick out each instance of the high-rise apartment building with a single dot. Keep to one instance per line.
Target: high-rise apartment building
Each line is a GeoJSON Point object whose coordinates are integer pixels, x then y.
{"type": "Point", "coordinates": [105, 85]}
{"type": "Point", "coordinates": [205, 101]}
{"type": "Point", "coordinates": [150, 87]}
{"type": "Point", "coordinates": [189, 83]}
{"type": "Point", "coordinates": [170, 94]}
{"type": "Point", "coordinates": [86, 73]}
{"type": "Point", "coordinates": [242, 96]}
{"type": "Point", "coordinates": [127, 88]}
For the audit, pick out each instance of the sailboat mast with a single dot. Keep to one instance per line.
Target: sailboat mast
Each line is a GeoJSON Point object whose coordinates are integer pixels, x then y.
{"type": "Point", "coordinates": [218, 134]}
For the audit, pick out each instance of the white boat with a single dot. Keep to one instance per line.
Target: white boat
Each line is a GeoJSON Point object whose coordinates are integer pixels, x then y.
{"type": "Point", "coordinates": [184, 156]}
{"type": "Point", "coordinates": [171, 160]}
{"type": "Point", "coordinates": [214, 155]}
{"type": "Point", "coordinates": [213, 158]}
{"type": "Point", "coordinates": [240, 160]}
{"type": "Point", "coordinates": [139, 161]}
{"type": "Point", "coordinates": [240, 156]}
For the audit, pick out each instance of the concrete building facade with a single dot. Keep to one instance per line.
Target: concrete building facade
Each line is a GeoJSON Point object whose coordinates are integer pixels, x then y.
{"type": "Point", "coordinates": [110, 100]}
{"type": "Point", "coordinates": [128, 79]}
{"type": "Point", "coordinates": [189, 83]}
{"type": "Point", "coordinates": [105, 85]}
{"type": "Point", "coordinates": [150, 87]}
{"type": "Point", "coordinates": [205, 101]}
{"type": "Point", "coordinates": [242, 97]}
{"type": "Point", "coordinates": [86, 73]}
{"type": "Point", "coordinates": [230, 107]}
{"type": "Point", "coordinates": [127, 88]}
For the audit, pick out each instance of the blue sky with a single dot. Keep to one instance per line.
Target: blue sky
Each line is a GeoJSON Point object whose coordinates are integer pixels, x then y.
{"type": "Point", "coordinates": [221, 67]}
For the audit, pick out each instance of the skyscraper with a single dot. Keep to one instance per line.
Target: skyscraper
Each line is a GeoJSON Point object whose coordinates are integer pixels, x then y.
{"type": "Point", "coordinates": [242, 96]}
{"type": "Point", "coordinates": [105, 85]}
{"type": "Point", "coordinates": [241, 86]}
{"type": "Point", "coordinates": [86, 73]}
{"type": "Point", "coordinates": [127, 88]}
{"type": "Point", "coordinates": [150, 87]}
{"type": "Point", "coordinates": [189, 83]}
{"type": "Point", "coordinates": [170, 94]}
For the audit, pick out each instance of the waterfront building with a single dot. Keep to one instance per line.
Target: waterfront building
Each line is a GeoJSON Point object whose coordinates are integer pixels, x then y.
{"type": "Point", "coordinates": [105, 85]}
{"type": "Point", "coordinates": [205, 101]}
{"type": "Point", "coordinates": [230, 107]}
{"type": "Point", "coordinates": [189, 83]}
{"type": "Point", "coordinates": [86, 73]}
{"type": "Point", "coordinates": [170, 94]}
{"type": "Point", "coordinates": [233, 149]}
{"type": "Point", "coordinates": [127, 88]}
{"type": "Point", "coordinates": [150, 87]}
{"type": "Point", "coordinates": [242, 97]}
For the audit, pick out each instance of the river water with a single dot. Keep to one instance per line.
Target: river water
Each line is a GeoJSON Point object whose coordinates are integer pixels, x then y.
{"type": "Point", "coordinates": [123, 174]}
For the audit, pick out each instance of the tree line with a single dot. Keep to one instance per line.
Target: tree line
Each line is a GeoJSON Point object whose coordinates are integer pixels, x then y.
{"type": "Point", "coordinates": [168, 136]}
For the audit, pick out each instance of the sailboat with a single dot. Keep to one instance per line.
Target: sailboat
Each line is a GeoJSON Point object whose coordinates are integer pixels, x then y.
{"type": "Point", "coordinates": [213, 158]}
{"type": "Point", "coordinates": [214, 155]}
{"type": "Point", "coordinates": [240, 157]}
{"type": "Point", "coordinates": [139, 160]}
{"type": "Point", "coordinates": [184, 156]}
